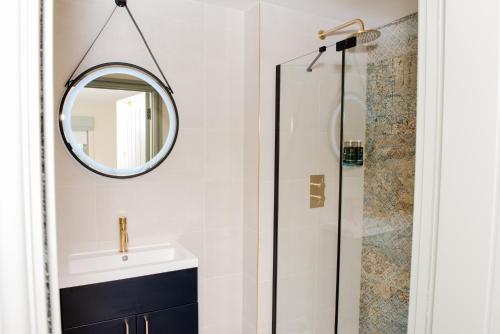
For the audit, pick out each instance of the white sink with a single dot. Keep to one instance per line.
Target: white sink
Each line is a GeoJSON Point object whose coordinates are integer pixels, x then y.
{"type": "Point", "coordinates": [108, 260]}
{"type": "Point", "coordinates": [110, 265]}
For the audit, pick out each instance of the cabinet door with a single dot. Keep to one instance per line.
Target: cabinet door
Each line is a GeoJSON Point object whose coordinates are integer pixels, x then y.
{"type": "Point", "coordinates": [177, 320]}
{"type": "Point", "coordinates": [119, 326]}
{"type": "Point", "coordinates": [90, 304]}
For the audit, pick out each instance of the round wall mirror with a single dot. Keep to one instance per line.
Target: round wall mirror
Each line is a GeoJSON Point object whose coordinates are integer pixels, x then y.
{"type": "Point", "coordinates": [118, 120]}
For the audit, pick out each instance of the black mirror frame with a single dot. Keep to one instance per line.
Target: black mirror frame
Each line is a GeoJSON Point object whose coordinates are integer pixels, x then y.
{"type": "Point", "coordinates": [82, 75]}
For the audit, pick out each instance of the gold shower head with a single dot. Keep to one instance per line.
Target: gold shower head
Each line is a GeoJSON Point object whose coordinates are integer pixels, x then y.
{"type": "Point", "coordinates": [367, 36]}
{"type": "Point", "coordinates": [363, 36]}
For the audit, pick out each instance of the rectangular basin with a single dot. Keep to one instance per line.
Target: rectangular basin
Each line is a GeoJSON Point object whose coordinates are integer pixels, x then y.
{"type": "Point", "coordinates": [109, 260]}
{"type": "Point", "coordinates": [111, 265]}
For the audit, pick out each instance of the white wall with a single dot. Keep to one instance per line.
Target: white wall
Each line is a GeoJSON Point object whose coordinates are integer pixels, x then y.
{"type": "Point", "coordinates": [374, 13]}
{"type": "Point", "coordinates": [250, 170]}
{"type": "Point", "coordinates": [196, 195]}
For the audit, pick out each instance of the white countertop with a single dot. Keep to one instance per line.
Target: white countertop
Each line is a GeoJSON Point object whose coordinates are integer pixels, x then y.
{"type": "Point", "coordinates": [110, 265]}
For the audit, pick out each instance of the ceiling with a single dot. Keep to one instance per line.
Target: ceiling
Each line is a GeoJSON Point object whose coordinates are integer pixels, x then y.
{"type": "Point", "coordinates": [374, 12]}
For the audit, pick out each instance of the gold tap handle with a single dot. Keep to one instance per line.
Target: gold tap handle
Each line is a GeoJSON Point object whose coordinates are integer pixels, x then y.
{"type": "Point", "coordinates": [146, 323]}
{"type": "Point", "coordinates": [127, 329]}
{"type": "Point", "coordinates": [122, 220]}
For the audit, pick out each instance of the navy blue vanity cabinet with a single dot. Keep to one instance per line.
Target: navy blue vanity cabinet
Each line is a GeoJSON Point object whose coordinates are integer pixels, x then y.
{"type": "Point", "coordinates": [120, 326]}
{"type": "Point", "coordinates": [169, 301]}
{"type": "Point", "coordinates": [177, 320]}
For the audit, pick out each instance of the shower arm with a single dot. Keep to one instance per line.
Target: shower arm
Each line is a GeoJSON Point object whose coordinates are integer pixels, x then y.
{"type": "Point", "coordinates": [322, 34]}
{"type": "Point", "coordinates": [320, 53]}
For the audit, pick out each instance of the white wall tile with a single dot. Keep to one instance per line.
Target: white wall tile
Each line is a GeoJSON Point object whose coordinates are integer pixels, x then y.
{"type": "Point", "coordinates": [224, 204]}
{"type": "Point", "coordinates": [77, 207]}
{"type": "Point", "coordinates": [223, 313]}
{"type": "Point", "coordinates": [250, 169]}
{"type": "Point", "coordinates": [223, 154]}
{"type": "Point", "coordinates": [223, 252]}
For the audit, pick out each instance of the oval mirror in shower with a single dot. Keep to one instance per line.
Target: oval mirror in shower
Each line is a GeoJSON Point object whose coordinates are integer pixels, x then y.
{"type": "Point", "coordinates": [355, 110]}
{"type": "Point", "coordinates": [118, 120]}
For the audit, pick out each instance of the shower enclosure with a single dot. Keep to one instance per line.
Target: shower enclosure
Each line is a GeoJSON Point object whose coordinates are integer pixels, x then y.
{"type": "Point", "coordinates": [345, 152]}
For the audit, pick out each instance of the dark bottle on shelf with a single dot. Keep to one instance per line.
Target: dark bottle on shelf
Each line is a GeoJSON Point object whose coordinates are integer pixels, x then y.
{"type": "Point", "coordinates": [359, 153]}
{"type": "Point", "coordinates": [350, 154]}
{"type": "Point", "coordinates": [353, 153]}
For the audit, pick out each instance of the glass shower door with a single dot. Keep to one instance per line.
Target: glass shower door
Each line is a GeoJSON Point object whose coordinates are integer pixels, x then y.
{"type": "Point", "coordinates": [307, 188]}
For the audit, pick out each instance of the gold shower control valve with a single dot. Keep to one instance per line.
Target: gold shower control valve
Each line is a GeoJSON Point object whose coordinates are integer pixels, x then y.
{"type": "Point", "coordinates": [317, 191]}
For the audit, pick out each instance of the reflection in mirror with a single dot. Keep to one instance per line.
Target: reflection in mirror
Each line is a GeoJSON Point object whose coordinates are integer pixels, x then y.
{"type": "Point", "coordinates": [119, 121]}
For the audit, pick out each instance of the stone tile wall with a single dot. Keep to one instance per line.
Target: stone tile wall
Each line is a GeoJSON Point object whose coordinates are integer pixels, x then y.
{"type": "Point", "coordinates": [389, 179]}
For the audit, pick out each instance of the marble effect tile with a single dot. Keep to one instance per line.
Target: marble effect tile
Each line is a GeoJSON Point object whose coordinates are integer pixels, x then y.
{"type": "Point", "coordinates": [398, 38]}
{"type": "Point", "coordinates": [389, 179]}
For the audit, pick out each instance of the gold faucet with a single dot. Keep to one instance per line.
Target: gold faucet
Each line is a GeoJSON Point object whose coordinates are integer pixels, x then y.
{"type": "Point", "coordinates": [123, 235]}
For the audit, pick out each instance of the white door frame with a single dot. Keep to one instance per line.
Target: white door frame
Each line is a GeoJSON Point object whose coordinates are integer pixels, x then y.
{"type": "Point", "coordinates": [456, 250]}
{"type": "Point", "coordinates": [428, 163]}
{"type": "Point", "coordinates": [49, 137]}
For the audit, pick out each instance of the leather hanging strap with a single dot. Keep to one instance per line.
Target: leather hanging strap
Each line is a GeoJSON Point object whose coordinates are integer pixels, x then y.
{"type": "Point", "coordinates": [121, 3]}
{"type": "Point", "coordinates": [149, 49]}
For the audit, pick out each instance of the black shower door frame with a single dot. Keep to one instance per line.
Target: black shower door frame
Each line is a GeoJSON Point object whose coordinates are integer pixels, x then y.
{"type": "Point", "coordinates": [341, 46]}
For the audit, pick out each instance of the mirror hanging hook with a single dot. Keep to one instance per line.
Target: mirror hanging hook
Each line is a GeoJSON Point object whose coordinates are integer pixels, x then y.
{"type": "Point", "coordinates": [121, 3]}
